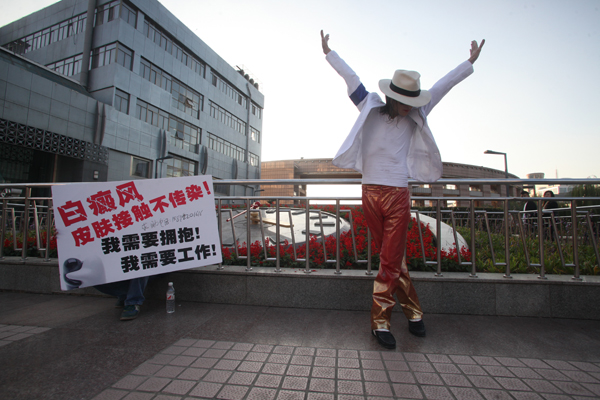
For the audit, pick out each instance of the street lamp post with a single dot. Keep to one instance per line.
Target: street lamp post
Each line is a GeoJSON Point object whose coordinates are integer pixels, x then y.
{"type": "Point", "coordinates": [161, 159]}
{"type": "Point", "coordinates": [505, 167]}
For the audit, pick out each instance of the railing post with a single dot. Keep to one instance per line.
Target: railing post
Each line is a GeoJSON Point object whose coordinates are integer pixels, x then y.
{"type": "Point", "coordinates": [337, 237]}
{"type": "Point", "coordinates": [541, 240]}
{"type": "Point", "coordinates": [473, 266]}
{"type": "Point", "coordinates": [575, 239]}
{"type": "Point", "coordinates": [277, 238]}
{"type": "Point", "coordinates": [438, 232]}
{"type": "Point", "coordinates": [506, 240]}
{"type": "Point", "coordinates": [248, 237]}
{"type": "Point", "coordinates": [48, 229]}
{"type": "Point", "coordinates": [307, 227]}
{"type": "Point", "coordinates": [220, 267]}
{"type": "Point", "coordinates": [24, 222]}
{"type": "Point", "coordinates": [4, 204]}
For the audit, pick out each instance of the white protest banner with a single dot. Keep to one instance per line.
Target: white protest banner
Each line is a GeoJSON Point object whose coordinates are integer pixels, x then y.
{"type": "Point", "coordinates": [113, 231]}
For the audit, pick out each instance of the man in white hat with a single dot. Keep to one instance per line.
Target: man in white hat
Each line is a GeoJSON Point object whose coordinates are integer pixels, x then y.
{"type": "Point", "coordinates": [389, 143]}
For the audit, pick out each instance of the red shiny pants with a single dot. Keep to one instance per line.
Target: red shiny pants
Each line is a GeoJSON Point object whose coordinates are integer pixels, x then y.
{"type": "Point", "coordinates": [387, 211]}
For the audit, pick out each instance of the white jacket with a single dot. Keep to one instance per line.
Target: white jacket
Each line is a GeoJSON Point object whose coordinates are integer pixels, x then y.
{"type": "Point", "coordinates": [424, 161]}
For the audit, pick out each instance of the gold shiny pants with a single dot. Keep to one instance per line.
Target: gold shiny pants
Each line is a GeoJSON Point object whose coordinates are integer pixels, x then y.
{"type": "Point", "coordinates": [387, 211]}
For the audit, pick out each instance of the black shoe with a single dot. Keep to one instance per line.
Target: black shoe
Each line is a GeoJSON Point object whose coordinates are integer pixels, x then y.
{"type": "Point", "coordinates": [417, 328]}
{"type": "Point", "coordinates": [385, 338]}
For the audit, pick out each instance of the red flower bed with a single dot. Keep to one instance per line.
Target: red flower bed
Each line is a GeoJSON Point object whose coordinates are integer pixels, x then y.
{"type": "Point", "coordinates": [318, 256]}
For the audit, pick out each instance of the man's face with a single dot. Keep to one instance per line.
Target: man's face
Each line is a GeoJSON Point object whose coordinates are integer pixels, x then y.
{"type": "Point", "coordinates": [403, 109]}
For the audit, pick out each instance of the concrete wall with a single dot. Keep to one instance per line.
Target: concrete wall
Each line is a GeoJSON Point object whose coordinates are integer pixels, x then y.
{"type": "Point", "coordinates": [454, 293]}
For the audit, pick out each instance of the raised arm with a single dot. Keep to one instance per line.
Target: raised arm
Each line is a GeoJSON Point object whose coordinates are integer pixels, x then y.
{"type": "Point", "coordinates": [324, 43]}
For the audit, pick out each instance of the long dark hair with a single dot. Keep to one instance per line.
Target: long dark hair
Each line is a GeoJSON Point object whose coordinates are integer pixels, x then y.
{"type": "Point", "coordinates": [390, 108]}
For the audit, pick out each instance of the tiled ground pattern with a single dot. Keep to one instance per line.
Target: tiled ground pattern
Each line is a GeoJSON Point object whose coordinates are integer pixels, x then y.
{"type": "Point", "coordinates": [192, 369]}
{"type": "Point", "coordinates": [10, 333]}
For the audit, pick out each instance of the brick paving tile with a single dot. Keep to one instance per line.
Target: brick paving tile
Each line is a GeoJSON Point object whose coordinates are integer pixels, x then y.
{"type": "Point", "coordinates": [283, 350]}
{"type": "Point", "coordinates": [561, 397]}
{"type": "Point", "coordinates": [552, 375]}
{"type": "Point", "coordinates": [204, 362]}
{"type": "Point", "coordinates": [446, 368]}
{"type": "Point", "coordinates": [250, 366]}
{"type": "Point", "coordinates": [262, 348]}
{"type": "Point", "coordinates": [437, 393]}
{"type": "Point", "coordinates": [348, 363]}
{"type": "Point", "coordinates": [179, 387]}
{"type": "Point", "coordinates": [223, 345]}
{"type": "Point", "coordinates": [512, 384]}
{"type": "Point", "coordinates": [193, 374]}
{"type": "Point", "coordinates": [174, 350]}
{"type": "Point", "coordinates": [534, 363]}
{"type": "Point", "coordinates": [486, 382]}
{"type": "Point", "coordinates": [370, 355]}
{"type": "Point", "coordinates": [592, 387]}
{"type": "Point", "coordinates": [573, 388]}
{"type": "Point", "coordinates": [407, 391]}
{"type": "Point", "coordinates": [326, 353]}
{"type": "Point", "coordinates": [169, 371]}
{"type": "Point", "coordinates": [243, 346]}
{"type": "Point", "coordinates": [235, 355]}
{"type": "Point", "coordinates": [350, 387]}
{"type": "Point", "coordinates": [143, 396]}
{"type": "Point", "coordinates": [232, 392]}
{"type": "Point", "coordinates": [290, 395]}
{"type": "Point", "coordinates": [465, 393]}
{"type": "Point", "coordinates": [271, 381]}
{"type": "Point", "coordinates": [580, 376]}
{"type": "Point", "coordinates": [130, 382]}
{"type": "Point", "coordinates": [439, 358]}
{"type": "Point", "coordinates": [276, 369]}
{"type": "Point", "coordinates": [526, 396]}
{"type": "Point", "coordinates": [396, 365]}
{"type": "Point", "coordinates": [279, 358]}
{"type": "Point", "coordinates": [524, 373]}
{"type": "Point", "coordinates": [392, 356]}
{"type": "Point", "coordinates": [154, 384]}
{"type": "Point", "coordinates": [186, 342]}
{"type": "Point", "coordinates": [350, 397]}
{"type": "Point", "coordinates": [427, 378]}
{"type": "Point", "coordinates": [182, 361]}
{"type": "Point", "coordinates": [585, 366]}
{"type": "Point", "coordinates": [228, 365]}
{"type": "Point", "coordinates": [462, 359]}
{"type": "Point", "coordinates": [147, 369]}
{"type": "Point", "coordinates": [111, 394]}
{"type": "Point", "coordinates": [161, 359]}
{"type": "Point", "coordinates": [217, 376]}
{"type": "Point", "coordinates": [456, 380]}
{"type": "Point", "coordinates": [347, 353]}
{"type": "Point", "coordinates": [481, 360]}
{"type": "Point", "coordinates": [202, 343]}
{"type": "Point", "coordinates": [378, 389]}
{"type": "Point", "coordinates": [325, 361]}
{"type": "Point", "coordinates": [253, 356]}
{"type": "Point", "coordinates": [561, 365]}
{"type": "Point", "coordinates": [495, 394]}
{"type": "Point", "coordinates": [298, 370]}
{"type": "Point", "coordinates": [295, 383]}
{"type": "Point", "coordinates": [372, 364]}
{"type": "Point", "coordinates": [510, 362]}
{"type": "Point", "coordinates": [322, 385]}
{"type": "Point", "coordinates": [320, 396]}
{"type": "Point", "coordinates": [421, 366]}
{"type": "Point", "coordinates": [541, 386]}
{"type": "Point", "coordinates": [415, 357]}
{"type": "Point", "coordinates": [242, 378]}
{"type": "Point", "coordinates": [472, 370]}
{"type": "Point", "coordinates": [257, 393]}
{"type": "Point", "coordinates": [194, 351]}
{"type": "Point", "coordinates": [302, 360]}
{"type": "Point", "coordinates": [401, 377]}
{"type": "Point", "coordinates": [350, 374]}
{"type": "Point", "coordinates": [375, 375]}
{"type": "Point", "coordinates": [323, 372]}
{"type": "Point", "coordinates": [304, 351]}
{"type": "Point", "coordinates": [214, 353]}
{"type": "Point", "coordinates": [498, 371]}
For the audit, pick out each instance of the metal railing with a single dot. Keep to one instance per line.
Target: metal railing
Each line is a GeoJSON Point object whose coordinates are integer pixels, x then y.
{"type": "Point", "coordinates": [29, 217]}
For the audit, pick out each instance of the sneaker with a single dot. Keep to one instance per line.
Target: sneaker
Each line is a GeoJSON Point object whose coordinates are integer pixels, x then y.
{"type": "Point", "coordinates": [130, 312]}
{"type": "Point", "coordinates": [120, 303]}
{"type": "Point", "coordinates": [417, 328]}
{"type": "Point", "coordinates": [385, 338]}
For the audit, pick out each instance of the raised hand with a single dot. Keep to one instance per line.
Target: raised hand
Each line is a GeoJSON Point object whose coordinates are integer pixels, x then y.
{"type": "Point", "coordinates": [475, 50]}
{"type": "Point", "coordinates": [324, 42]}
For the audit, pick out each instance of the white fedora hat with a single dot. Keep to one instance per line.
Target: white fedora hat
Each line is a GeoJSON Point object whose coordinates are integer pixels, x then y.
{"type": "Point", "coordinates": [405, 87]}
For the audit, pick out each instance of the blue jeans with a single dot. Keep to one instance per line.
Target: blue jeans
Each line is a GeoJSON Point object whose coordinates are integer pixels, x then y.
{"type": "Point", "coordinates": [130, 292]}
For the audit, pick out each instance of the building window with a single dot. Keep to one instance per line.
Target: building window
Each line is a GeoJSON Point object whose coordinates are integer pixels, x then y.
{"type": "Point", "coordinates": [140, 167]}
{"type": "Point", "coordinates": [229, 149]}
{"type": "Point", "coordinates": [111, 53]}
{"type": "Point", "coordinates": [226, 88]}
{"type": "Point", "coordinates": [257, 111]}
{"type": "Point", "coordinates": [227, 118]}
{"type": "Point", "coordinates": [254, 160]}
{"type": "Point", "coordinates": [178, 167]}
{"type": "Point", "coordinates": [68, 67]}
{"type": "Point", "coordinates": [109, 11]}
{"type": "Point", "coordinates": [255, 134]}
{"type": "Point", "coordinates": [121, 101]}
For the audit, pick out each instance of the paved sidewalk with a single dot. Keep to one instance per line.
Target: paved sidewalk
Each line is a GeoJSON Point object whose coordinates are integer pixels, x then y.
{"type": "Point", "coordinates": [72, 347]}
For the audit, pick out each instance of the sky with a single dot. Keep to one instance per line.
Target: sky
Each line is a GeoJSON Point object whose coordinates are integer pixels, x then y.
{"type": "Point", "coordinates": [534, 93]}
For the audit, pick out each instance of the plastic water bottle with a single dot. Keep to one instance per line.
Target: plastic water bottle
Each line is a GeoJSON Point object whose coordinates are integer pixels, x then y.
{"type": "Point", "coordinates": [171, 299]}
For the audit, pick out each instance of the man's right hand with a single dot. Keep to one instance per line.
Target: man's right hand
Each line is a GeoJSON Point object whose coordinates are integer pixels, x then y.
{"type": "Point", "coordinates": [324, 40]}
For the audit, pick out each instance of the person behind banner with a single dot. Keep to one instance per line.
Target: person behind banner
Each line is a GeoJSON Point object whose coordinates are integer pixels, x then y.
{"type": "Point", "coordinates": [389, 143]}
{"type": "Point", "coordinates": [129, 294]}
